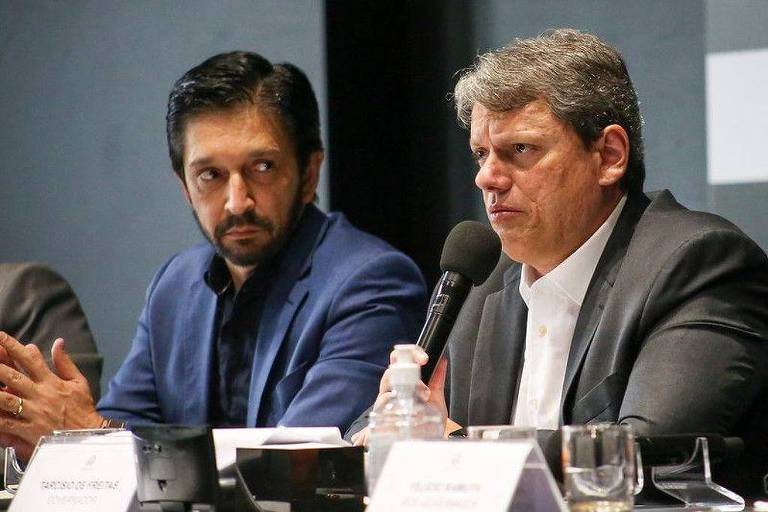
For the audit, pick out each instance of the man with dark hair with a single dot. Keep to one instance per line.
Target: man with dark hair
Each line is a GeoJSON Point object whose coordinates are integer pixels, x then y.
{"type": "Point", "coordinates": [285, 317]}
{"type": "Point", "coordinates": [608, 304]}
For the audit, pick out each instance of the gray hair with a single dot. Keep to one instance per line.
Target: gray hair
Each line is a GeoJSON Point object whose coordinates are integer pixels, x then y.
{"type": "Point", "coordinates": [583, 80]}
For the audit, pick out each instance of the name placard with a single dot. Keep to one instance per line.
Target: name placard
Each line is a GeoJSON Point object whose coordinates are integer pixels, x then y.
{"type": "Point", "coordinates": [450, 475]}
{"type": "Point", "coordinates": [83, 475]}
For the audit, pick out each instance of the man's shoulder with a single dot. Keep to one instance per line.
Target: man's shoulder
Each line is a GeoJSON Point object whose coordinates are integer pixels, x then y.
{"type": "Point", "coordinates": [671, 243]}
{"type": "Point", "coordinates": [346, 254]}
{"type": "Point", "coordinates": [342, 231]}
{"type": "Point", "coordinates": [666, 226]}
{"type": "Point", "coordinates": [344, 244]}
{"type": "Point", "coordinates": [665, 211]}
{"type": "Point", "coordinates": [26, 273]}
{"type": "Point", "coordinates": [186, 266]}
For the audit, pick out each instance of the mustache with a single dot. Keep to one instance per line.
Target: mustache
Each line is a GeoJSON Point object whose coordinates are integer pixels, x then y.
{"type": "Point", "coordinates": [248, 218]}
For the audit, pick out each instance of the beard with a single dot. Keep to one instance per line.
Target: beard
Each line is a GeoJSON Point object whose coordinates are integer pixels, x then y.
{"type": "Point", "coordinates": [252, 252]}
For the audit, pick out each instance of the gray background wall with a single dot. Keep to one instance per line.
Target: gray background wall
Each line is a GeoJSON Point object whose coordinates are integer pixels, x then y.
{"type": "Point", "coordinates": [85, 183]}
{"type": "Point", "coordinates": [85, 180]}
{"type": "Point", "coordinates": [733, 29]}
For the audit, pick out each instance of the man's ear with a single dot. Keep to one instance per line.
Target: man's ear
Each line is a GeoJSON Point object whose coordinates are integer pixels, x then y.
{"type": "Point", "coordinates": [311, 176]}
{"type": "Point", "coordinates": [613, 147]}
{"type": "Point", "coordinates": [183, 185]}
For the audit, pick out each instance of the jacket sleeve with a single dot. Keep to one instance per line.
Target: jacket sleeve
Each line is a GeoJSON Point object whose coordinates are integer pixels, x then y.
{"type": "Point", "coordinates": [132, 394]}
{"type": "Point", "coordinates": [703, 359]}
{"type": "Point", "coordinates": [380, 304]}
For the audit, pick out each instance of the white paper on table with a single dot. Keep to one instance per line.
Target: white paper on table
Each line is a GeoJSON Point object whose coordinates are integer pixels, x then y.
{"type": "Point", "coordinates": [88, 473]}
{"type": "Point", "coordinates": [228, 440]}
{"type": "Point", "coordinates": [439, 476]}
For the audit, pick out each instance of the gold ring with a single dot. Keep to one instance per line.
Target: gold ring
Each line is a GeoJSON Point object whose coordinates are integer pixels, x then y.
{"type": "Point", "coordinates": [20, 409]}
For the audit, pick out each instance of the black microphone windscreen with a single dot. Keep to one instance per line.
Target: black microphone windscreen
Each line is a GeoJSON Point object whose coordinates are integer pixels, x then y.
{"type": "Point", "coordinates": [471, 249]}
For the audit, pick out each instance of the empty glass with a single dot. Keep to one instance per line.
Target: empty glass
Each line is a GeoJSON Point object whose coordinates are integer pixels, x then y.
{"type": "Point", "coordinates": [599, 465]}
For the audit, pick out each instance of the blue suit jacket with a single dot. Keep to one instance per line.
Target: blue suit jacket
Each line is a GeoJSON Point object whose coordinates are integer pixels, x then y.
{"type": "Point", "coordinates": [338, 303]}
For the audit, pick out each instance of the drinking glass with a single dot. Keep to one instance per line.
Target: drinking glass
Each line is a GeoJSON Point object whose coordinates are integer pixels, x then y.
{"type": "Point", "coordinates": [599, 467]}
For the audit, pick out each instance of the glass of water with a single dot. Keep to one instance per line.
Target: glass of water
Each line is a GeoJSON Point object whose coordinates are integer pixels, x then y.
{"type": "Point", "coordinates": [599, 467]}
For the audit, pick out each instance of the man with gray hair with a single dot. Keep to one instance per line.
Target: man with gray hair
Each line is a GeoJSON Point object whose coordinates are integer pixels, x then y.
{"type": "Point", "coordinates": [608, 304]}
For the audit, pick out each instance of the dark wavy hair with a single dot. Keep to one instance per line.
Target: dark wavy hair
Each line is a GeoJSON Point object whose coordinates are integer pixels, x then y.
{"type": "Point", "coordinates": [230, 80]}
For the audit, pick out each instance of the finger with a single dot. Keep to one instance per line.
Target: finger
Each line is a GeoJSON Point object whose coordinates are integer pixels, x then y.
{"type": "Point", "coordinates": [27, 357]}
{"type": "Point", "coordinates": [423, 391]}
{"type": "Point", "coordinates": [9, 403]}
{"type": "Point", "coordinates": [384, 382]}
{"type": "Point", "coordinates": [15, 381]}
{"type": "Point", "coordinates": [62, 363]}
{"type": "Point", "coordinates": [12, 434]}
{"type": "Point", "coordinates": [23, 448]}
{"type": "Point", "coordinates": [360, 438]}
{"type": "Point", "coordinates": [382, 399]}
{"type": "Point", "coordinates": [419, 356]}
{"type": "Point", "coordinates": [5, 358]}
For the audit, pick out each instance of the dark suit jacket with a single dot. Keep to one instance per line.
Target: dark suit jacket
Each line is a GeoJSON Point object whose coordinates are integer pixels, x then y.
{"type": "Point", "coordinates": [338, 303]}
{"type": "Point", "coordinates": [672, 336]}
{"type": "Point", "coordinates": [37, 306]}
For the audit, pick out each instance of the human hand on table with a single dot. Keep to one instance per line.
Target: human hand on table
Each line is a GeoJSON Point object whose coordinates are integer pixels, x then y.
{"type": "Point", "coordinates": [433, 393]}
{"type": "Point", "coordinates": [36, 401]}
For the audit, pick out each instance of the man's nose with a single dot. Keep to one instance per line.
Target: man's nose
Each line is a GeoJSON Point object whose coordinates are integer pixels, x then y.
{"type": "Point", "coordinates": [239, 198]}
{"type": "Point", "coordinates": [492, 176]}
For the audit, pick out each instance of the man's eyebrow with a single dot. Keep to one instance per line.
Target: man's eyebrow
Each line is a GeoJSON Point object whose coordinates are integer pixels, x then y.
{"type": "Point", "coordinates": [197, 162]}
{"type": "Point", "coordinates": [256, 153]}
{"type": "Point", "coordinates": [264, 152]}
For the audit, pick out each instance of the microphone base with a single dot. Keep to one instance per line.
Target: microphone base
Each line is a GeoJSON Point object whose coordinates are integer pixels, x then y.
{"type": "Point", "coordinates": [689, 482]}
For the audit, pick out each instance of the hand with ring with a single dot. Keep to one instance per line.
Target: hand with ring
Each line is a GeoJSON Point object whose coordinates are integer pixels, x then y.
{"type": "Point", "coordinates": [35, 400]}
{"type": "Point", "coordinates": [20, 410]}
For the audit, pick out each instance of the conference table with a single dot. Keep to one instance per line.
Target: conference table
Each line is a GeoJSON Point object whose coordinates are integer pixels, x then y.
{"type": "Point", "coordinates": [6, 497]}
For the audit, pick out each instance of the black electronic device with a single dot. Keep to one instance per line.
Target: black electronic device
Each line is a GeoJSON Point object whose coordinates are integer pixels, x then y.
{"type": "Point", "coordinates": [176, 468]}
{"type": "Point", "coordinates": [330, 479]}
{"type": "Point", "coordinates": [470, 253]}
{"type": "Point", "coordinates": [669, 449]}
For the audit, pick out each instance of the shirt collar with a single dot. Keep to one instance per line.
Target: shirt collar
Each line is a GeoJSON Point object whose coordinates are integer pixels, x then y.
{"type": "Point", "coordinates": [217, 276]}
{"type": "Point", "coordinates": [572, 275]}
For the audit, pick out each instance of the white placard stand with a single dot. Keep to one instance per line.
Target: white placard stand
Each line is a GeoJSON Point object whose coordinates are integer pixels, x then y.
{"type": "Point", "coordinates": [82, 473]}
{"type": "Point", "coordinates": [444, 476]}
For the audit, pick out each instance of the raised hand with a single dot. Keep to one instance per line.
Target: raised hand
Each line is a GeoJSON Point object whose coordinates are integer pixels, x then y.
{"type": "Point", "coordinates": [36, 400]}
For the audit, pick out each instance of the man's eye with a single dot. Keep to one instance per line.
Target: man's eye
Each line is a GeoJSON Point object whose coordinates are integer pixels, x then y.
{"type": "Point", "coordinates": [209, 174]}
{"type": "Point", "coordinates": [522, 148]}
{"type": "Point", "coordinates": [479, 156]}
{"type": "Point", "coordinates": [263, 166]}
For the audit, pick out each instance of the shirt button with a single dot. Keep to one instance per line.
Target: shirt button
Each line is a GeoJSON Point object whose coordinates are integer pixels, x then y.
{"type": "Point", "coordinates": [542, 330]}
{"type": "Point", "coordinates": [534, 404]}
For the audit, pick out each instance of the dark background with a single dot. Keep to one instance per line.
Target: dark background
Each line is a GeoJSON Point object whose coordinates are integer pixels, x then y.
{"type": "Point", "coordinates": [85, 181]}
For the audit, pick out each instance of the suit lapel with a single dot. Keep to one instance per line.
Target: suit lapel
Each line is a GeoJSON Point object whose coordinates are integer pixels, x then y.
{"type": "Point", "coordinates": [199, 336]}
{"type": "Point", "coordinates": [500, 346]}
{"type": "Point", "coordinates": [597, 294]}
{"type": "Point", "coordinates": [586, 325]}
{"type": "Point", "coordinates": [282, 302]}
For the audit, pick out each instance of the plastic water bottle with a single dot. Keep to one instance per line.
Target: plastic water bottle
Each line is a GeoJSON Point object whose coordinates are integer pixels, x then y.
{"type": "Point", "coordinates": [405, 415]}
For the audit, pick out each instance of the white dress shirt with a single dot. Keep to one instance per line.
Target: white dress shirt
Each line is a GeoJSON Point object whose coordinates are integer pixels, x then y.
{"type": "Point", "coordinates": [554, 301]}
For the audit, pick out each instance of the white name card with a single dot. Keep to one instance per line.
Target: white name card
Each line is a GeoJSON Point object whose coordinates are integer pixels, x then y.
{"type": "Point", "coordinates": [444, 476]}
{"type": "Point", "coordinates": [85, 475]}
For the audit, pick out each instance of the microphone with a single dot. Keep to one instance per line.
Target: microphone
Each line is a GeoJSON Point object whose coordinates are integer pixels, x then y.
{"type": "Point", "coordinates": [470, 253]}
